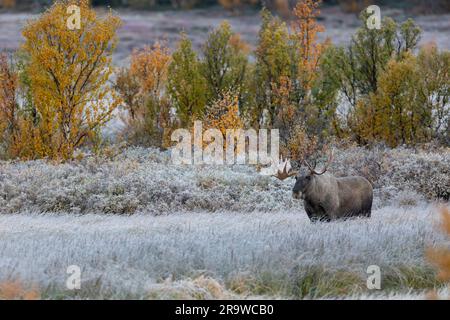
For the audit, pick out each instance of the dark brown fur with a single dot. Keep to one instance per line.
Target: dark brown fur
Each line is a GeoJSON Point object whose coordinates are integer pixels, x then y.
{"type": "Point", "coordinates": [329, 198]}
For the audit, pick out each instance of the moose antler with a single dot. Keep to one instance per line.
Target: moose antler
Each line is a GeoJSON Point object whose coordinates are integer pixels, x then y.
{"type": "Point", "coordinates": [285, 173]}
{"type": "Point", "coordinates": [313, 168]}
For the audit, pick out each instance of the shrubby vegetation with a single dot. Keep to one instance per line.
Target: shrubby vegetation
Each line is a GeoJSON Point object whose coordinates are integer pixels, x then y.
{"type": "Point", "coordinates": [380, 88]}
{"type": "Point", "coordinates": [139, 180]}
{"type": "Point", "coordinates": [141, 87]}
{"type": "Point", "coordinates": [392, 95]}
{"type": "Point", "coordinates": [199, 255]}
{"type": "Point", "coordinates": [186, 84]}
{"type": "Point", "coordinates": [381, 100]}
{"type": "Point", "coordinates": [236, 6]}
{"type": "Point", "coordinates": [377, 89]}
{"type": "Point", "coordinates": [56, 97]}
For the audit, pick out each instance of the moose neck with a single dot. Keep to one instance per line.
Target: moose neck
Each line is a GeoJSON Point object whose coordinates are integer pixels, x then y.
{"type": "Point", "coordinates": [317, 186]}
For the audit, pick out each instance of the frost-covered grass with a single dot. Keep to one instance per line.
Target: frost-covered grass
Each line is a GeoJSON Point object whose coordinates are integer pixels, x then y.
{"type": "Point", "coordinates": [137, 180]}
{"type": "Point", "coordinates": [140, 180]}
{"type": "Point", "coordinates": [221, 255]}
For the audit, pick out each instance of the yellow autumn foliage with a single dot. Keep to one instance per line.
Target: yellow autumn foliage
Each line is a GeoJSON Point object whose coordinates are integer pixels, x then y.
{"type": "Point", "coordinates": [7, 3]}
{"type": "Point", "coordinates": [306, 29]}
{"type": "Point", "coordinates": [397, 113]}
{"type": "Point", "coordinates": [142, 87]}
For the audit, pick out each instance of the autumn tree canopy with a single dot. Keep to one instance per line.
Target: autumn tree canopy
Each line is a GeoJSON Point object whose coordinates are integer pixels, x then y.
{"type": "Point", "coordinates": [186, 84]}
{"type": "Point", "coordinates": [68, 71]}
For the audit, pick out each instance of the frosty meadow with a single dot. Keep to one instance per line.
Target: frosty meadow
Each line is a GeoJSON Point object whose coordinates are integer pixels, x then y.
{"type": "Point", "coordinates": [191, 162]}
{"type": "Point", "coordinates": [140, 227]}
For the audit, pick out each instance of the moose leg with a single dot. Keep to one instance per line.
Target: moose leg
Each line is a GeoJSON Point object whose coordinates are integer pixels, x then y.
{"type": "Point", "coordinates": [316, 213]}
{"type": "Point", "coordinates": [366, 206]}
{"type": "Point", "coordinates": [367, 209]}
{"type": "Point", "coordinates": [311, 212]}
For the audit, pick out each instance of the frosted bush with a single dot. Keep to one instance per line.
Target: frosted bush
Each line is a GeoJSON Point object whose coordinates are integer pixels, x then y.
{"type": "Point", "coordinates": [425, 172]}
{"type": "Point", "coordinates": [360, 161]}
{"type": "Point", "coordinates": [144, 180]}
{"type": "Point", "coordinates": [138, 180]}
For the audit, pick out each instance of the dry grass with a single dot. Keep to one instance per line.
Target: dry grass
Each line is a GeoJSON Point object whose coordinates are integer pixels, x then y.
{"type": "Point", "coordinates": [199, 288]}
{"type": "Point", "coordinates": [238, 254]}
{"type": "Point", "coordinates": [15, 290]}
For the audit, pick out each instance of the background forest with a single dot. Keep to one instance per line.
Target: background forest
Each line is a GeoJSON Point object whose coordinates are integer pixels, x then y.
{"type": "Point", "coordinates": [86, 176]}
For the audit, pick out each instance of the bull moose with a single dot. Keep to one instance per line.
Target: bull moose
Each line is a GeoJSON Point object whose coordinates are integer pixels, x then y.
{"type": "Point", "coordinates": [328, 198]}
